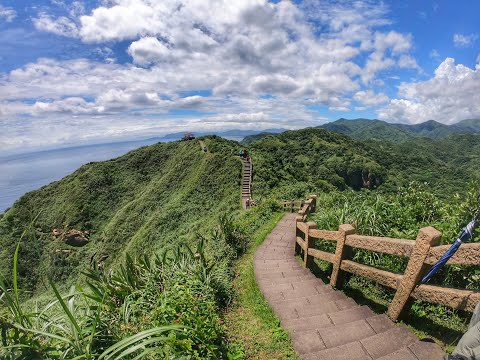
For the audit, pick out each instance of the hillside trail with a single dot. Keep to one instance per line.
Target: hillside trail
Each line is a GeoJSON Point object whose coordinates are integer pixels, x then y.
{"type": "Point", "coordinates": [247, 183]}
{"type": "Point", "coordinates": [203, 146]}
{"type": "Point", "coordinates": [325, 324]}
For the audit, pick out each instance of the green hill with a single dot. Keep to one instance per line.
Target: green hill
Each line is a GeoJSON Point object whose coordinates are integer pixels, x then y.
{"type": "Point", "coordinates": [157, 197]}
{"type": "Point", "coordinates": [365, 129]}
{"type": "Point", "coordinates": [247, 140]}
{"type": "Point", "coordinates": [165, 193]}
{"type": "Point", "coordinates": [315, 159]}
{"type": "Point", "coordinates": [135, 204]}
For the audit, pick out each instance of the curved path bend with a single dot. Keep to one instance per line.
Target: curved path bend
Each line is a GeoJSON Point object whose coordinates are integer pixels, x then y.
{"type": "Point", "coordinates": [324, 323]}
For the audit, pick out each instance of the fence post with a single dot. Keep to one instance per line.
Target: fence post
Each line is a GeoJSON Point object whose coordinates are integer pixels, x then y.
{"type": "Point", "coordinates": [307, 259]}
{"type": "Point", "coordinates": [297, 234]}
{"type": "Point", "coordinates": [341, 252]}
{"type": "Point", "coordinates": [313, 206]}
{"type": "Point", "coordinates": [426, 238]}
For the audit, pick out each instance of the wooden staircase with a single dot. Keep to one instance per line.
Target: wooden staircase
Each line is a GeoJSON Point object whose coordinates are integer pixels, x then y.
{"type": "Point", "coordinates": [325, 324]}
{"type": "Point", "coordinates": [247, 183]}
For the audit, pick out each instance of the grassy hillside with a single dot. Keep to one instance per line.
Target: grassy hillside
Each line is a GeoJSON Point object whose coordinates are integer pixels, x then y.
{"type": "Point", "coordinates": [159, 197]}
{"type": "Point", "coordinates": [247, 140]}
{"type": "Point", "coordinates": [365, 129]}
{"type": "Point", "coordinates": [362, 129]}
{"type": "Point", "coordinates": [135, 204]}
{"type": "Point", "coordinates": [314, 160]}
{"type": "Point", "coordinates": [417, 183]}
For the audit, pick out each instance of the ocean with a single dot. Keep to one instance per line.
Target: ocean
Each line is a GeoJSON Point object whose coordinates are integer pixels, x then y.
{"type": "Point", "coordinates": [22, 173]}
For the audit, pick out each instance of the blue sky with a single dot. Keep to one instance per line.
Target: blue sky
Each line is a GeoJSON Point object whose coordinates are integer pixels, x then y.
{"type": "Point", "coordinates": [90, 71]}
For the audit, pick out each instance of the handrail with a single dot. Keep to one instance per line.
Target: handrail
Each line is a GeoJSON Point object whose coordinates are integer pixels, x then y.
{"type": "Point", "coordinates": [421, 252]}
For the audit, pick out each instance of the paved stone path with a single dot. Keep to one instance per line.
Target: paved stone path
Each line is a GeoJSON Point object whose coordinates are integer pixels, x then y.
{"type": "Point", "coordinates": [246, 183]}
{"type": "Point", "coordinates": [324, 323]}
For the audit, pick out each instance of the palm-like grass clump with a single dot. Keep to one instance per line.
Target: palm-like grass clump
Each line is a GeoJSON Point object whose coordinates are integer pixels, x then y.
{"type": "Point", "coordinates": [162, 306]}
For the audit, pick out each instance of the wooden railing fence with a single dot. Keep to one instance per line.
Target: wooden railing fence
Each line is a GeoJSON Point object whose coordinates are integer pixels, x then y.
{"type": "Point", "coordinates": [422, 253]}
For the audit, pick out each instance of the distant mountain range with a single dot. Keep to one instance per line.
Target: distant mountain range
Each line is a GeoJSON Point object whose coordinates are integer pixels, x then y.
{"type": "Point", "coordinates": [363, 129]}
{"type": "Point", "coordinates": [225, 134]}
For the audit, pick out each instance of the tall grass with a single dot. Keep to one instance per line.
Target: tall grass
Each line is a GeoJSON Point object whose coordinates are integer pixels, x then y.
{"type": "Point", "coordinates": [71, 326]}
{"type": "Point", "coordinates": [160, 306]}
{"type": "Point", "coordinates": [401, 215]}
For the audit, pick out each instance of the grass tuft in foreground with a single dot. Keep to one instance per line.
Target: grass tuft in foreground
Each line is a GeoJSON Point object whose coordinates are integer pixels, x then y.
{"type": "Point", "coordinates": [162, 307]}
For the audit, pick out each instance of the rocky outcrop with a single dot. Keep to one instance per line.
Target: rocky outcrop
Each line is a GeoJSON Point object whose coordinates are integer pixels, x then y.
{"type": "Point", "coordinates": [72, 237]}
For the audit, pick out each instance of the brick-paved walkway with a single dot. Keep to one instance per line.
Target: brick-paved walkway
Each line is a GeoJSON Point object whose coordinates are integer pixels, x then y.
{"type": "Point", "coordinates": [325, 323]}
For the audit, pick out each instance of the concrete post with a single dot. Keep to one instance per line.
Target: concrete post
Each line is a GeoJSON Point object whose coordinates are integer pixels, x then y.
{"type": "Point", "coordinates": [426, 238]}
{"type": "Point", "coordinates": [307, 259]}
{"type": "Point", "coordinates": [298, 233]}
{"type": "Point", "coordinates": [341, 252]}
{"type": "Point", "coordinates": [314, 203]}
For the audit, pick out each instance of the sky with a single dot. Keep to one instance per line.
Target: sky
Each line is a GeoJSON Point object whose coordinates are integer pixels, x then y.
{"type": "Point", "coordinates": [75, 72]}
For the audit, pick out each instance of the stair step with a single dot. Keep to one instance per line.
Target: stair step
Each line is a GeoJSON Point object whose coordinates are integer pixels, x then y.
{"type": "Point", "coordinates": [326, 308]}
{"type": "Point", "coordinates": [307, 342]}
{"type": "Point", "coordinates": [402, 354]}
{"type": "Point", "coordinates": [312, 322]}
{"type": "Point", "coordinates": [283, 305]}
{"type": "Point", "coordinates": [346, 333]}
{"type": "Point", "coordinates": [380, 323]}
{"type": "Point", "coordinates": [350, 351]}
{"type": "Point", "coordinates": [388, 342]}
{"type": "Point", "coordinates": [346, 303]}
{"type": "Point", "coordinates": [427, 351]}
{"type": "Point", "coordinates": [352, 314]}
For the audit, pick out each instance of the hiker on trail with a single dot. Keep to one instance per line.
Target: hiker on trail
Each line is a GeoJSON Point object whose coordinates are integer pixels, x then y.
{"type": "Point", "coordinates": [248, 158]}
{"type": "Point", "coordinates": [468, 347]}
{"type": "Point", "coordinates": [205, 148]}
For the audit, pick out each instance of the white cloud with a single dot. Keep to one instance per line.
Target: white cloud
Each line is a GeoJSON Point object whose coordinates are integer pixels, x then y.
{"type": "Point", "coordinates": [434, 54]}
{"type": "Point", "coordinates": [7, 13]}
{"type": "Point", "coordinates": [254, 56]}
{"type": "Point", "coordinates": [407, 61]}
{"type": "Point", "coordinates": [148, 50]}
{"type": "Point", "coordinates": [461, 40]}
{"type": "Point", "coordinates": [376, 62]}
{"type": "Point", "coordinates": [369, 98]}
{"type": "Point", "coordinates": [59, 26]}
{"type": "Point", "coordinates": [451, 95]}
{"type": "Point", "coordinates": [394, 41]}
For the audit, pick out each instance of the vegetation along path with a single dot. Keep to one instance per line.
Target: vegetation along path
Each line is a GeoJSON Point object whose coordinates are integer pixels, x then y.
{"type": "Point", "coordinates": [324, 323]}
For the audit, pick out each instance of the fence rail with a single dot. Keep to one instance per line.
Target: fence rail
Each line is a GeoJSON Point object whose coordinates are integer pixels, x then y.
{"type": "Point", "coordinates": [422, 253]}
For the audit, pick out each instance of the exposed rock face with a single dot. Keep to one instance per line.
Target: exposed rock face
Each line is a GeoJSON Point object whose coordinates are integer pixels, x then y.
{"type": "Point", "coordinates": [72, 237]}
{"type": "Point", "coordinates": [75, 238]}
{"type": "Point", "coordinates": [362, 179]}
